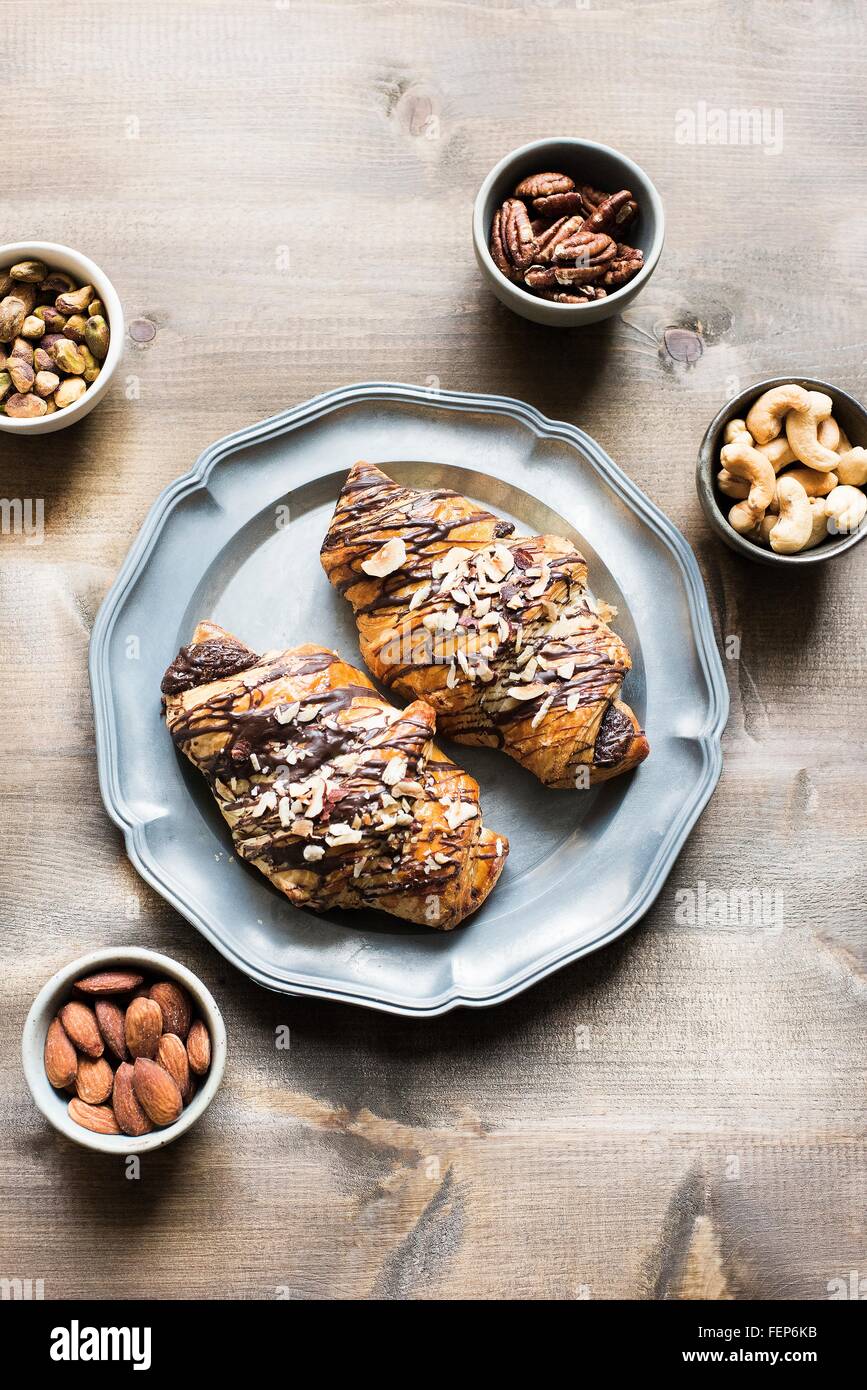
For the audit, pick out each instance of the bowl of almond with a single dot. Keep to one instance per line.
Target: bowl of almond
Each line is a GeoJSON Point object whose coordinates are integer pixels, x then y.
{"type": "Point", "coordinates": [123, 1050]}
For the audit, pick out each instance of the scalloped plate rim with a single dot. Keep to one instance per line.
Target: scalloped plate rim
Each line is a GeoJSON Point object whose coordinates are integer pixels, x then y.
{"type": "Point", "coordinates": [543, 427]}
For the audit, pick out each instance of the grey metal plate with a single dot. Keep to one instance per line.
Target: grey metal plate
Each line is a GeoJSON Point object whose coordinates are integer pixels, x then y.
{"type": "Point", "coordinates": [237, 540]}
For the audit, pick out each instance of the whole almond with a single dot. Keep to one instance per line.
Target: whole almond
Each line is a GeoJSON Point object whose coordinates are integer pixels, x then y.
{"type": "Point", "coordinates": [156, 1092]}
{"type": "Point", "coordinates": [110, 1019]}
{"type": "Point", "coordinates": [172, 1055]}
{"type": "Point", "coordinates": [98, 1118]}
{"type": "Point", "coordinates": [109, 982]}
{"type": "Point", "coordinates": [128, 1113]}
{"type": "Point", "coordinates": [80, 1023]}
{"type": "Point", "coordinates": [142, 1027]}
{"type": "Point", "coordinates": [94, 1080]}
{"type": "Point", "coordinates": [61, 1058]}
{"type": "Point", "coordinates": [175, 1005]}
{"type": "Point", "coordinates": [199, 1048]}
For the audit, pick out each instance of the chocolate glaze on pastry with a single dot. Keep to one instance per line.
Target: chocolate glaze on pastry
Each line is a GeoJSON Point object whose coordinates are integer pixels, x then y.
{"type": "Point", "coordinates": [206, 661]}
{"type": "Point", "coordinates": [496, 631]}
{"type": "Point", "coordinates": [340, 799]}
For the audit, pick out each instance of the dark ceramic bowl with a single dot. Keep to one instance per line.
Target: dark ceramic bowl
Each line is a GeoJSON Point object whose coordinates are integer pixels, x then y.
{"type": "Point", "coordinates": [851, 417]}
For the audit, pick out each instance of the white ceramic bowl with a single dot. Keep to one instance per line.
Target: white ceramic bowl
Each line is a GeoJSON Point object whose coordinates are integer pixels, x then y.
{"type": "Point", "coordinates": [585, 161]}
{"type": "Point", "coordinates": [58, 257]}
{"type": "Point", "coordinates": [55, 994]}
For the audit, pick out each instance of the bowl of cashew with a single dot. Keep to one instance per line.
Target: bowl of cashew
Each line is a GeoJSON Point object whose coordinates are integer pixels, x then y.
{"type": "Point", "coordinates": [782, 472]}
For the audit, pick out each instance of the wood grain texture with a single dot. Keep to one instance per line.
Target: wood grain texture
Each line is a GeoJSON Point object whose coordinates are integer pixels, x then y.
{"type": "Point", "coordinates": [284, 192]}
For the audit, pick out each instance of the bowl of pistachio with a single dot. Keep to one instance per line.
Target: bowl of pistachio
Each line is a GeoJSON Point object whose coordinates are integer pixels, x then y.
{"type": "Point", "coordinates": [61, 336]}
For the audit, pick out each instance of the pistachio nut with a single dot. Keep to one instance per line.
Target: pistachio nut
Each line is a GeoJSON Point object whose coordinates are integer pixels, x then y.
{"type": "Point", "coordinates": [22, 375]}
{"type": "Point", "coordinates": [57, 283]}
{"type": "Point", "coordinates": [41, 361]}
{"type": "Point", "coordinates": [54, 321]}
{"type": "Point", "coordinates": [6, 283]}
{"type": "Point", "coordinates": [30, 271]}
{"type": "Point", "coordinates": [5, 384]}
{"type": "Point", "coordinates": [91, 366]}
{"type": "Point", "coordinates": [73, 301]}
{"type": "Point", "coordinates": [75, 328]}
{"type": "Point", "coordinates": [21, 349]}
{"type": "Point", "coordinates": [51, 407]}
{"type": "Point", "coordinates": [13, 311]}
{"type": "Point", "coordinates": [67, 356]}
{"type": "Point", "coordinates": [12, 316]}
{"type": "Point", "coordinates": [46, 383]}
{"type": "Point", "coordinates": [96, 336]}
{"type": "Point", "coordinates": [95, 309]}
{"type": "Point", "coordinates": [33, 327]}
{"type": "Point", "coordinates": [27, 407]}
{"type": "Point", "coordinates": [49, 342]}
{"type": "Point", "coordinates": [69, 391]}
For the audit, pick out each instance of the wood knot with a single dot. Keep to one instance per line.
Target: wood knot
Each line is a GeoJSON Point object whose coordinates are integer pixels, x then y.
{"type": "Point", "coordinates": [142, 330]}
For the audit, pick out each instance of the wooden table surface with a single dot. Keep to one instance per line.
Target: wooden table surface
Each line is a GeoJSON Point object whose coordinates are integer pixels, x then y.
{"type": "Point", "coordinates": [283, 192]}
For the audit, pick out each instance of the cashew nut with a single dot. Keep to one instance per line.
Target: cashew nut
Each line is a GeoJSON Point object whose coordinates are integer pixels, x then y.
{"type": "Point", "coordinates": [802, 432]}
{"type": "Point", "coordinates": [846, 509]}
{"type": "Point", "coordinates": [777, 452]}
{"type": "Point", "coordinates": [814, 484]}
{"type": "Point", "coordinates": [766, 526]}
{"type": "Point", "coordinates": [844, 446]}
{"type": "Point", "coordinates": [795, 523]}
{"type": "Point", "coordinates": [765, 417]}
{"type": "Point", "coordinates": [733, 429]}
{"type": "Point", "coordinates": [732, 487]}
{"type": "Point", "coordinates": [829, 433]}
{"type": "Point", "coordinates": [741, 460]}
{"type": "Point", "coordinates": [819, 515]}
{"type": "Point", "coordinates": [851, 467]}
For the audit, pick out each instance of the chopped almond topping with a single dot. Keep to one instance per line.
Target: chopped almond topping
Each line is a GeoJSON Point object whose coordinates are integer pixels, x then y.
{"type": "Point", "coordinates": [444, 564]}
{"type": "Point", "coordinates": [418, 598]}
{"type": "Point", "coordinates": [394, 770]}
{"type": "Point", "coordinates": [459, 811]}
{"type": "Point", "coordinates": [526, 692]}
{"type": "Point", "coordinates": [387, 559]}
{"type": "Point", "coordinates": [541, 712]}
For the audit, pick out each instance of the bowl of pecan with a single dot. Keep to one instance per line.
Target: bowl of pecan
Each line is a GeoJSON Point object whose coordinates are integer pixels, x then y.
{"type": "Point", "coordinates": [566, 232]}
{"type": "Point", "coordinates": [123, 1050]}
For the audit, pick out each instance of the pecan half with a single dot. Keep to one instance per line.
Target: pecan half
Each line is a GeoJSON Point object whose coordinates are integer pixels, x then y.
{"type": "Point", "coordinates": [544, 186]}
{"type": "Point", "coordinates": [587, 249]}
{"type": "Point", "coordinates": [547, 234]}
{"type": "Point", "coordinates": [498, 249]}
{"type": "Point", "coordinates": [567, 229]}
{"type": "Point", "coordinates": [558, 205]}
{"type": "Point", "coordinates": [517, 233]}
{"type": "Point", "coordinates": [540, 276]}
{"type": "Point", "coordinates": [591, 197]}
{"type": "Point", "coordinates": [626, 263]}
{"type": "Point", "coordinates": [612, 212]}
{"type": "Point", "coordinates": [576, 274]}
{"type": "Point", "coordinates": [579, 294]}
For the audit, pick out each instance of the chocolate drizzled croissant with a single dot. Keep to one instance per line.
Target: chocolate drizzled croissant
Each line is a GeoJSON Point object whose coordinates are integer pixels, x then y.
{"type": "Point", "coordinates": [340, 799]}
{"type": "Point", "coordinates": [496, 631]}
